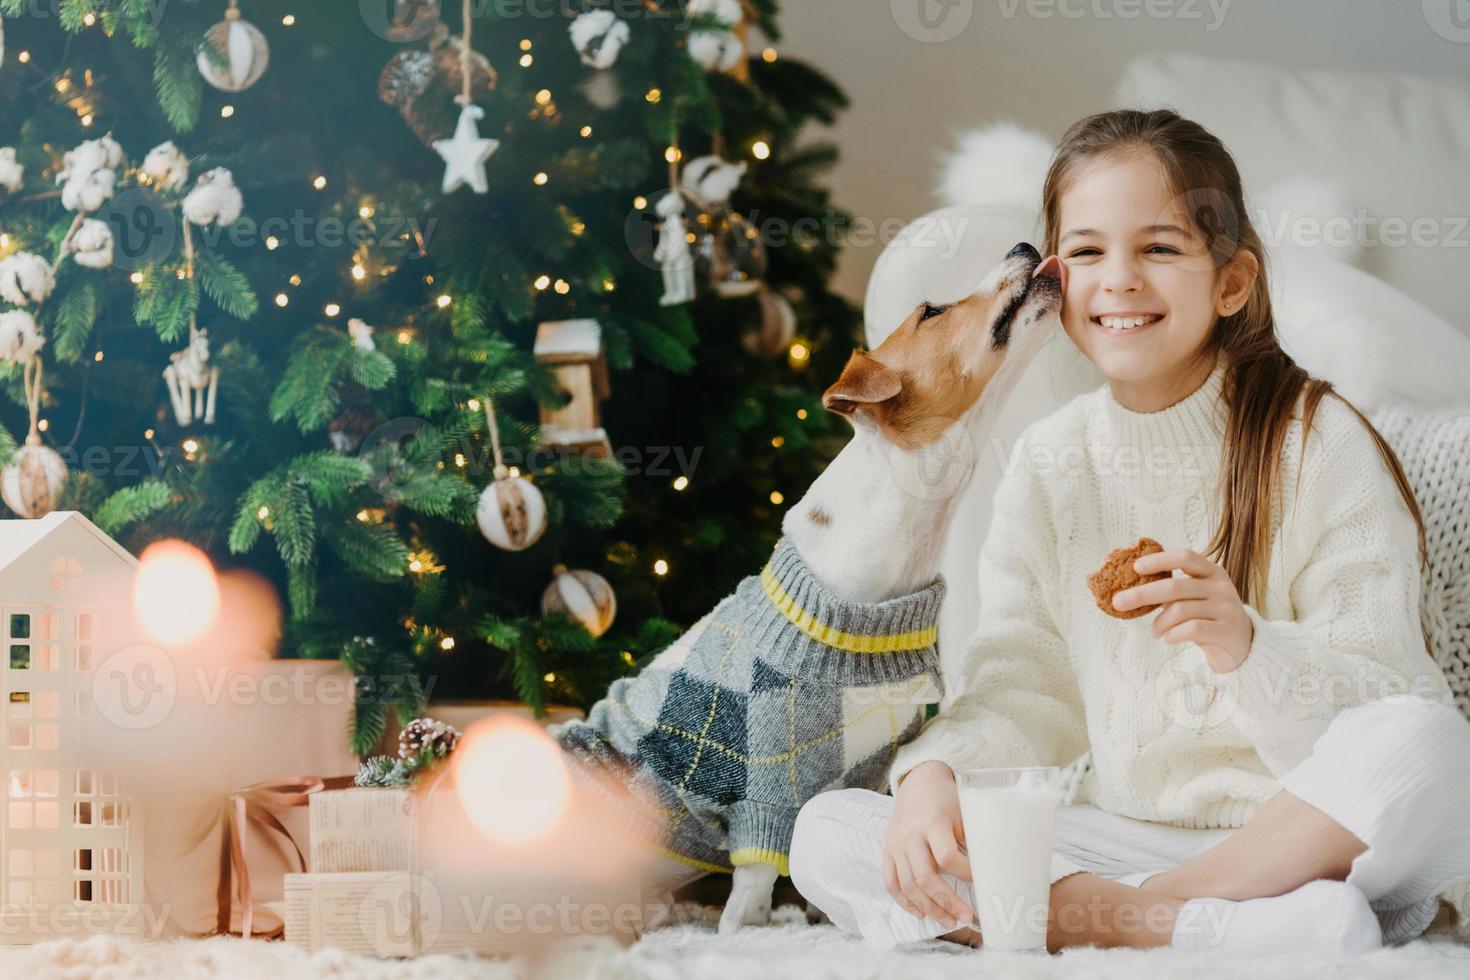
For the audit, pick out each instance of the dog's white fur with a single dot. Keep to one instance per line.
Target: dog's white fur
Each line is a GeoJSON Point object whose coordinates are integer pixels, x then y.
{"type": "Point", "coordinates": [887, 521]}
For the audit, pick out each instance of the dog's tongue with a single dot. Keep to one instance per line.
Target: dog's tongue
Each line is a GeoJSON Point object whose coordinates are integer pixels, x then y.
{"type": "Point", "coordinates": [1052, 268]}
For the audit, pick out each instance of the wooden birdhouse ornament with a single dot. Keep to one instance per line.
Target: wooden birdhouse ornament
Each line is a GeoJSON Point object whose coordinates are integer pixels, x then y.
{"type": "Point", "coordinates": [70, 833]}
{"type": "Point", "coordinates": [573, 348]}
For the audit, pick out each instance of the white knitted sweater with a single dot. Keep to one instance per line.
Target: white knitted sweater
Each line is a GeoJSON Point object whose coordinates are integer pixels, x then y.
{"type": "Point", "coordinates": [1047, 676]}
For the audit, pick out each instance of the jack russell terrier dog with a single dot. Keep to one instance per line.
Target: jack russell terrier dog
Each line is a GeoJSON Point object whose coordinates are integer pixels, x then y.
{"type": "Point", "coordinates": [812, 673]}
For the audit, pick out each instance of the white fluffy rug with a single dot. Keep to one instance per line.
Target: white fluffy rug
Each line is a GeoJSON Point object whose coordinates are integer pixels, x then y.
{"type": "Point", "coordinates": [788, 948]}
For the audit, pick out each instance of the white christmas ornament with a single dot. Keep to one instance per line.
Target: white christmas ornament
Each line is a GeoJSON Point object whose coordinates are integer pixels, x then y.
{"type": "Point", "coordinates": [25, 279]}
{"type": "Point", "coordinates": [584, 596]}
{"type": "Point", "coordinates": [192, 381]}
{"type": "Point", "coordinates": [673, 254]}
{"type": "Point", "coordinates": [243, 49]}
{"type": "Point", "coordinates": [511, 513]}
{"type": "Point", "coordinates": [11, 172]}
{"type": "Point", "coordinates": [20, 338]}
{"type": "Point", "coordinates": [362, 334]}
{"type": "Point", "coordinates": [712, 180]}
{"type": "Point", "coordinates": [214, 199]}
{"type": "Point", "coordinates": [92, 244]}
{"type": "Point", "coordinates": [167, 167]}
{"type": "Point", "coordinates": [32, 483]}
{"type": "Point", "coordinates": [465, 154]}
{"type": "Point", "coordinates": [599, 36]}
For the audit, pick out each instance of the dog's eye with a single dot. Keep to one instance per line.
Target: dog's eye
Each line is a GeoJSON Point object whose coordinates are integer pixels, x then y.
{"type": "Point", "coordinates": [930, 310]}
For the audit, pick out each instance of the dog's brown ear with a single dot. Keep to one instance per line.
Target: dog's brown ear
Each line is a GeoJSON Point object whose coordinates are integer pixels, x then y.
{"type": "Point", "coordinates": [864, 381]}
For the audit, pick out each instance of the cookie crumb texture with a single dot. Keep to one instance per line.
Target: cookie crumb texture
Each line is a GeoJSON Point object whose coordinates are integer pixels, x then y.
{"type": "Point", "coordinates": [1117, 574]}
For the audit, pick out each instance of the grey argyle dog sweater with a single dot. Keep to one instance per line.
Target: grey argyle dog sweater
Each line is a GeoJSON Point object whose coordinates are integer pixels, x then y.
{"type": "Point", "coordinates": [781, 692]}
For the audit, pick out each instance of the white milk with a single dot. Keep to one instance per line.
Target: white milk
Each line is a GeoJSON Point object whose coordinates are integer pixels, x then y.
{"type": "Point", "coordinates": [1008, 833]}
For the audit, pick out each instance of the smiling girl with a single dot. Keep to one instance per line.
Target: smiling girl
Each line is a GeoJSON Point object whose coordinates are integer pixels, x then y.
{"type": "Point", "coordinates": [1276, 763]}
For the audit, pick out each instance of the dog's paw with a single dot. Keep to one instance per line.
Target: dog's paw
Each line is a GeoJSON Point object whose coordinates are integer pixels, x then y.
{"type": "Point", "coordinates": [750, 898]}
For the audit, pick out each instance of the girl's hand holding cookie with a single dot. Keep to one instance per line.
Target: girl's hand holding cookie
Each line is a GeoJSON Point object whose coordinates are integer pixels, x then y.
{"type": "Point", "coordinates": [1202, 606]}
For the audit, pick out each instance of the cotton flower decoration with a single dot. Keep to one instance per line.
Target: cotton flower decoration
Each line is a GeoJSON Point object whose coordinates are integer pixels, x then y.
{"type": "Point", "coordinates": [25, 279]}
{"type": "Point", "coordinates": [11, 172]}
{"type": "Point", "coordinates": [87, 174]}
{"type": "Point", "coordinates": [362, 334]}
{"type": "Point", "coordinates": [214, 199]}
{"type": "Point", "coordinates": [599, 36]}
{"type": "Point", "coordinates": [92, 244]}
{"type": "Point", "coordinates": [20, 338]}
{"type": "Point", "coordinates": [717, 50]}
{"type": "Point", "coordinates": [167, 167]}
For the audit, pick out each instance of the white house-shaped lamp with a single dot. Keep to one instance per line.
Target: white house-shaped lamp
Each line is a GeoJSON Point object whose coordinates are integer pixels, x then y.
{"type": "Point", "coordinates": [71, 856]}
{"type": "Point", "coordinates": [573, 349]}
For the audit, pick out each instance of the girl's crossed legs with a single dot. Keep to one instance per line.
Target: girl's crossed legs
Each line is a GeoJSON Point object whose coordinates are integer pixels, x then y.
{"type": "Point", "coordinates": [1381, 803]}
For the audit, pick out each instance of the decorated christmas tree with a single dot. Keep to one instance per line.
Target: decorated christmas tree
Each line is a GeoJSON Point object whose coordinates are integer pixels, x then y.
{"type": "Point", "coordinates": [488, 333]}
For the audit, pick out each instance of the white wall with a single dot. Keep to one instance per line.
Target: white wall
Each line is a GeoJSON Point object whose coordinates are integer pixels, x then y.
{"type": "Point", "coordinates": [1047, 63]}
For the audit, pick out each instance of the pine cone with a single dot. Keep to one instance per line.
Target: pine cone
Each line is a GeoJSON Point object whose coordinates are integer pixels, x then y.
{"type": "Point", "coordinates": [426, 733]}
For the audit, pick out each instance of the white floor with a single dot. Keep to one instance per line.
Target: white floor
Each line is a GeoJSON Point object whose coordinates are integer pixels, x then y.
{"type": "Point", "coordinates": [788, 948]}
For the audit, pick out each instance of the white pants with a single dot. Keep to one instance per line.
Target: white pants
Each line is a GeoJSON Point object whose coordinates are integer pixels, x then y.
{"type": "Point", "coordinates": [1396, 773]}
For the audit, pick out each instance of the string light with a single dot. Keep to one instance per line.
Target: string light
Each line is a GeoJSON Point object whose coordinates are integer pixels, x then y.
{"type": "Point", "coordinates": [778, 442]}
{"type": "Point", "coordinates": [769, 56]}
{"type": "Point", "coordinates": [43, 425]}
{"type": "Point", "coordinates": [640, 202]}
{"type": "Point", "coordinates": [4, 241]}
{"type": "Point", "coordinates": [226, 111]}
{"type": "Point", "coordinates": [447, 643]}
{"type": "Point", "coordinates": [97, 356]}
{"type": "Point", "coordinates": [443, 300]}
{"type": "Point", "coordinates": [135, 278]}
{"type": "Point", "coordinates": [24, 57]}
{"type": "Point", "coordinates": [272, 243]}
{"type": "Point", "coordinates": [362, 515]}
{"type": "Point", "coordinates": [320, 183]}
{"type": "Point", "coordinates": [777, 498]}
{"type": "Point", "coordinates": [654, 95]}
{"type": "Point", "coordinates": [415, 566]}
{"type": "Point", "coordinates": [295, 280]}
{"type": "Point", "coordinates": [358, 272]}
{"type": "Point", "coordinates": [282, 299]}
{"type": "Point", "coordinates": [681, 482]}
{"type": "Point", "coordinates": [263, 513]}
{"type": "Point", "coordinates": [586, 131]}
{"type": "Point", "coordinates": [148, 434]}
{"type": "Point", "coordinates": [525, 44]}
{"type": "Point", "coordinates": [365, 212]}
{"type": "Point", "coordinates": [543, 97]}
{"type": "Point", "coordinates": [549, 678]}
{"type": "Point", "coordinates": [62, 84]}
{"type": "Point", "coordinates": [289, 20]}
{"type": "Point", "coordinates": [474, 404]}
{"type": "Point", "coordinates": [87, 119]}
{"type": "Point", "coordinates": [578, 228]}
{"type": "Point", "coordinates": [459, 460]}
{"type": "Point", "coordinates": [562, 287]}
{"type": "Point", "coordinates": [761, 150]}
{"type": "Point", "coordinates": [191, 446]}
{"type": "Point", "coordinates": [332, 309]}
{"type": "Point", "coordinates": [404, 336]}
{"type": "Point", "coordinates": [660, 567]}
{"type": "Point", "coordinates": [799, 355]}
{"type": "Point", "coordinates": [801, 413]}
{"type": "Point", "coordinates": [540, 179]}
{"type": "Point", "coordinates": [672, 154]}
{"type": "Point", "coordinates": [542, 282]}
{"type": "Point", "coordinates": [609, 284]}
{"type": "Point", "coordinates": [526, 61]}
{"type": "Point", "coordinates": [89, 19]}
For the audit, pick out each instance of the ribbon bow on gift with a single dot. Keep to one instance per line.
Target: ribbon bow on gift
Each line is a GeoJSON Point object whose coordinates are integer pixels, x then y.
{"type": "Point", "coordinates": [254, 803]}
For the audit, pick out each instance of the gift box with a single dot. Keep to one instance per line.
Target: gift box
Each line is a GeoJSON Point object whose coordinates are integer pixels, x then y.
{"type": "Point", "coordinates": [363, 829]}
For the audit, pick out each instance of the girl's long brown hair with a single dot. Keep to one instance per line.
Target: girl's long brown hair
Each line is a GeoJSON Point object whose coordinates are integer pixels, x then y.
{"type": "Point", "coordinates": [1262, 384]}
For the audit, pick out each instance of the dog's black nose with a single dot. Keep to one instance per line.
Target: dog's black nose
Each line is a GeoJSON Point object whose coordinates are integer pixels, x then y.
{"type": "Point", "coordinates": [1026, 249]}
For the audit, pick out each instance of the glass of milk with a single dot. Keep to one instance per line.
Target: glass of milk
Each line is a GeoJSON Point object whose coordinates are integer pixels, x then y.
{"type": "Point", "coordinates": [1008, 816]}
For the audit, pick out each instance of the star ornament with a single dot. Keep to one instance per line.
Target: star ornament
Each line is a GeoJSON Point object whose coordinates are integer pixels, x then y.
{"type": "Point", "coordinates": [465, 153]}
